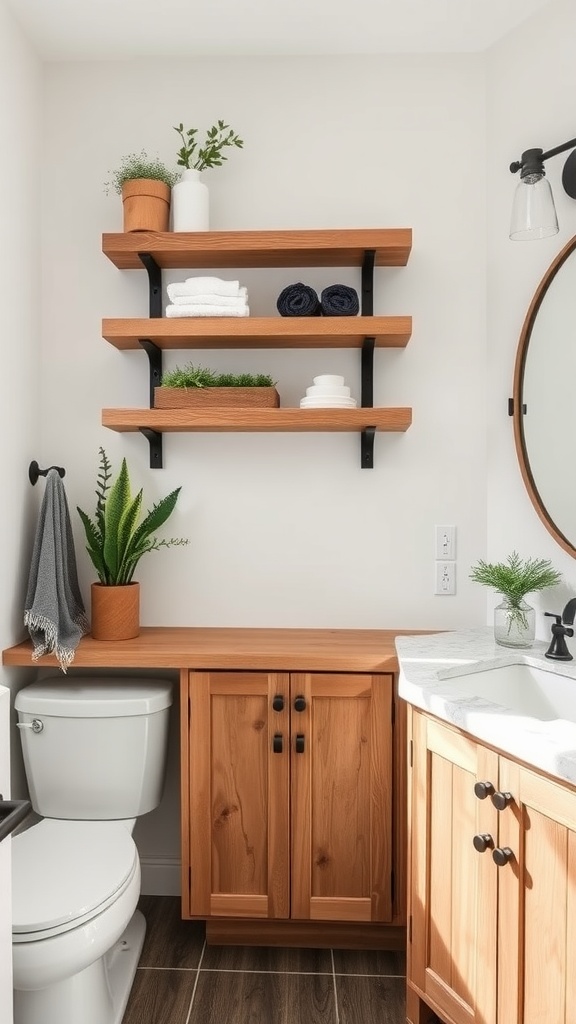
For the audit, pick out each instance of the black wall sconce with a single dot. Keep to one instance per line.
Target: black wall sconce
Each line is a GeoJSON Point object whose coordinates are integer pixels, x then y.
{"type": "Point", "coordinates": [533, 210]}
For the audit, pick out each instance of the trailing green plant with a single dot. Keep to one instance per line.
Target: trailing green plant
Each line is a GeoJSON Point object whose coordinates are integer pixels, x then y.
{"type": "Point", "coordinates": [116, 540]}
{"type": "Point", "coordinates": [218, 138]}
{"type": "Point", "coordinates": [191, 376]}
{"type": "Point", "coordinates": [139, 165]}
{"type": "Point", "coordinates": [514, 579]}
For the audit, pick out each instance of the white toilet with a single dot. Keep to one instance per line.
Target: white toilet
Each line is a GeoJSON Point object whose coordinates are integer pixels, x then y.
{"type": "Point", "coordinates": [95, 754]}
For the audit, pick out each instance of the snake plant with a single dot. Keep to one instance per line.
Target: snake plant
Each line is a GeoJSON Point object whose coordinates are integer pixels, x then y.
{"type": "Point", "coordinates": [116, 540]}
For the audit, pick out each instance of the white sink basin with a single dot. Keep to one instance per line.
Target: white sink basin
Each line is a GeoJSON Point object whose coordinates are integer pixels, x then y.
{"type": "Point", "coordinates": [526, 690]}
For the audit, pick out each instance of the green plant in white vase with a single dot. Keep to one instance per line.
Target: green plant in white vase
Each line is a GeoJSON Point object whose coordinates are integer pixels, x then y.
{"type": "Point", "coordinates": [190, 197]}
{"type": "Point", "coordinates": [218, 138]}
{"type": "Point", "coordinates": [514, 619]}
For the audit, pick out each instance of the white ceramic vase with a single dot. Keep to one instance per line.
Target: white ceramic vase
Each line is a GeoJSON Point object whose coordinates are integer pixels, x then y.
{"type": "Point", "coordinates": [190, 203]}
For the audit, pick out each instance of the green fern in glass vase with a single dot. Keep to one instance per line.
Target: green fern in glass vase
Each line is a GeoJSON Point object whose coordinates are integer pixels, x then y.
{"type": "Point", "coordinates": [515, 578]}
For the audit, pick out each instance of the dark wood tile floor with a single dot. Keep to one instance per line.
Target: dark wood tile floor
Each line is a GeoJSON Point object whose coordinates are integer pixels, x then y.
{"type": "Point", "coordinates": [181, 980]}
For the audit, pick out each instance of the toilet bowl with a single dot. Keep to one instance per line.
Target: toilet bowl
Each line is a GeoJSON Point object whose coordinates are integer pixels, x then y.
{"type": "Point", "coordinates": [75, 891]}
{"type": "Point", "coordinates": [94, 753]}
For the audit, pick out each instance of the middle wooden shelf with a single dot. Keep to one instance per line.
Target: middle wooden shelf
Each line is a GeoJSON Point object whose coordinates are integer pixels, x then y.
{"type": "Point", "coordinates": [259, 332]}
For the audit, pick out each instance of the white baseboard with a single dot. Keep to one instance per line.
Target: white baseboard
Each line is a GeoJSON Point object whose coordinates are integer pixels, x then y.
{"type": "Point", "coordinates": [160, 876]}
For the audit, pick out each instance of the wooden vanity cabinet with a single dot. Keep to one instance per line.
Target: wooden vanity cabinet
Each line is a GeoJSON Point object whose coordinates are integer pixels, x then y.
{"type": "Point", "coordinates": [488, 943]}
{"type": "Point", "coordinates": [288, 794]}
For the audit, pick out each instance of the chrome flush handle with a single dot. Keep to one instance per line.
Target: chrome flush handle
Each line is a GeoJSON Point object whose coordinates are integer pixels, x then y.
{"type": "Point", "coordinates": [36, 725]}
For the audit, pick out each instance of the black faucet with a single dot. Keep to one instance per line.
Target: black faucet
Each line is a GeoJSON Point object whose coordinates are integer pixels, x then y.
{"type": "Point", "coordinates": [558, 649]}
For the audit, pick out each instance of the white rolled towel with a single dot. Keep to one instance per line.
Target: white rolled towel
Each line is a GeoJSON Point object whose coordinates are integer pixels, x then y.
{"type": "Point", "coordinates": [193, 309]}
{"type": "Point", "coordinates": [212, 300]}
{"type": "Point", "coordinates": [203, 286]}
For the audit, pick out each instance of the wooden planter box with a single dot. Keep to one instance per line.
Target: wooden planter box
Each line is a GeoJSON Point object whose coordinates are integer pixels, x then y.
{"type": "Point", "coordinates": [203, 398]}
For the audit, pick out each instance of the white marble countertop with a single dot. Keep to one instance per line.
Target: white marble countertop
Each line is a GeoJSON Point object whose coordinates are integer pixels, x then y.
{"type": "Point", "coordinates": [426, 666]}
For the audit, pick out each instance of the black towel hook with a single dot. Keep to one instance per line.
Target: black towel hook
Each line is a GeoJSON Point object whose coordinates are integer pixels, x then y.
{"type": "Point", "coordinates": [34, 471]}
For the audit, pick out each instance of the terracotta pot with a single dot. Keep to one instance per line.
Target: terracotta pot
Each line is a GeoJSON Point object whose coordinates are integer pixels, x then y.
{"type": "Point", "coordinates": [203, 398]}
{"type": "Point", "coordinates": [146, 205]}
{"type": "Point", "coordinates": [115, 612]}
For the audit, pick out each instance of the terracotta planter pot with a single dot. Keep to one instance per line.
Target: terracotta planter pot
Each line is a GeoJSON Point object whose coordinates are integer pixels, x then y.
{"type": "Point", "coordinates": [204, 398]}
{"type": "Point", "coordinates": [115, 612]}
{"type": "Point", "coordinates": [146, 205]}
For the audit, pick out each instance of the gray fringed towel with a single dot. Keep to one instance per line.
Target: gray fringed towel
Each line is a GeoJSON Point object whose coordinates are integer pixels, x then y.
{"type": "Point", "coordinates": [54, 611]}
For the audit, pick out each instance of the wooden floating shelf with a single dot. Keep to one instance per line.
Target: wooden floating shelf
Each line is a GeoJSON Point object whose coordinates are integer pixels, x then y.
{"type": "Point", "coordinates": [253, 420]}
{"type": "Point", "coordinates": [220, 249]}
{"type": "Point", "coordinates": [259, 332]}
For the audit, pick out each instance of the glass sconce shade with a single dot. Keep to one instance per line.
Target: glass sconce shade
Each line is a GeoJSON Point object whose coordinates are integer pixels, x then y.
{"type": "Point", "coordinates": [533, 210]}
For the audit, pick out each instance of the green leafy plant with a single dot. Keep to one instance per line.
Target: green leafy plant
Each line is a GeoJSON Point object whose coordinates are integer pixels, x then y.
{"type": "Point", "coordinates": [514, 579]}
{"type": "Point", "coordinates": [218, 138]}
{"type": "Point", "coordinates": [139, 165]}
{"type": "Point", "coordinates": [116, 540]}
{"type": "Point", "coordinates": [192, 376]}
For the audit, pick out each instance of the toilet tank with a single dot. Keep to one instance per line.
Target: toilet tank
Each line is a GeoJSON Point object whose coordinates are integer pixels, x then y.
{"type": "Point", "coordinates": [94, 748]}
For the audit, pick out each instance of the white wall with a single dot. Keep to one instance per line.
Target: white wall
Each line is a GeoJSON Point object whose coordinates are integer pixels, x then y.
{"type": "Point", "coordinates": [531, 80]}
{"type": "Point", "coordinates": [20, 118]}
{"type": "Point", "coordinates": [286, 530]}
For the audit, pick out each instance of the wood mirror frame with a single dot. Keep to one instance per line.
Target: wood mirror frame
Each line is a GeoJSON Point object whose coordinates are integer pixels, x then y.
{"type": "Point", "coordinates": [519, 400]}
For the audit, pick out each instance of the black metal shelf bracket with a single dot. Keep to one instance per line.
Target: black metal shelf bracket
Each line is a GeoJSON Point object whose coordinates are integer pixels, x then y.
{"type": "Point", "coordinates": [367, 380]}
{"type": "Point", "coordinates": [154, 438]}
{"type": "Point", "coordinates": [154, 284]}
{"type": "Point", "coordinates": [367, 305]}
{"type": "Point", "coordinates": [367, 392]}
{"type": "Point", "coordinates": [367, 448]}
{"type": "Point", "coordinates": [155, 365]}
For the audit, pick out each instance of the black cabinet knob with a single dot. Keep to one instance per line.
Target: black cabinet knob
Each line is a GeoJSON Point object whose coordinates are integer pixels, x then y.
{"type": "Point", "coordinates": [278, 702]}
{"type": "Point", "coordinates": [299, 743]}
{"type": "Point", "coordinates": [501, 800]}
{"type": "Point", "coordinates": [299, 703]}
{"type": "Point", "coordinates": [483, 789]}
{"type": "Point", "coordinates": [501, 855]}
{"type": "Point", "coordinates": [483, 841]}
{"type": "Point", "coordinates": [277, 743]}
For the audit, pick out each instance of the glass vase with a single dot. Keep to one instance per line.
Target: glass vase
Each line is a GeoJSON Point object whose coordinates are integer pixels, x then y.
{"type": "Point", "coordinates": [514, 624]}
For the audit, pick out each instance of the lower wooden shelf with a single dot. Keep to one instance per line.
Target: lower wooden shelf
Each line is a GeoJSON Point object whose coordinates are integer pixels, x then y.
{"type": "Point", "coordinates": [253, 420]}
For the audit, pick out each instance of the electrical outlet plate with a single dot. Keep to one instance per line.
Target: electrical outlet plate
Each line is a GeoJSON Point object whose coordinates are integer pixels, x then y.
{"type": "Point", "coordinates": [445, 547]}
{"type": "Point", "coordinates": [445, 582]}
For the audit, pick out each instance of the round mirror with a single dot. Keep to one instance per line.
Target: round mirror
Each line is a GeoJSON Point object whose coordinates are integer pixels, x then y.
{"type": "Point", "coordinates": [544, 397]}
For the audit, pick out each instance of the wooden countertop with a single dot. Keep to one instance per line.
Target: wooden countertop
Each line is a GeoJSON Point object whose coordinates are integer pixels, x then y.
{"type": "Point", "coordinates": [328, 650]}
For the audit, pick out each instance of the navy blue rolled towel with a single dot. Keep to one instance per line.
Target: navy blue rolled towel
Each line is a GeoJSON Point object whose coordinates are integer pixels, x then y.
{"type": "Point", "coordinates": [339, 300]}
{"type": "Point", "coordinates": [298, 300]}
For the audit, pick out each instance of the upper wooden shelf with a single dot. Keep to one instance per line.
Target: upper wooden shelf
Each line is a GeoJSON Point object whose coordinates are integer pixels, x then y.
{"type": "Point", "coordinates": [217, 249]}
{"type": "Point", "coordinates": [259, 332]}
{"type": "Point", "coordinates": [252, 420]}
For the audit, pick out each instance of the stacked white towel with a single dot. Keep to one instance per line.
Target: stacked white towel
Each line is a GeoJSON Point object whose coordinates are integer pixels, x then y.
{"type": "Point", "coordinates": [207, 296]}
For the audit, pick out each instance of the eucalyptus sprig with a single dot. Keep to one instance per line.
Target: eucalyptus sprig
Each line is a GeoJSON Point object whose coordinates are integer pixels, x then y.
{"type": "Point", "coordinates": [515, 578]}
{"type": "Point", "coordinates": [218, 138]}
{"type": "Point", "coordinates": [191, 376]}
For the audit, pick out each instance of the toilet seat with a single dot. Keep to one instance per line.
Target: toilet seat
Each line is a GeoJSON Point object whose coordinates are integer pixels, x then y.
{"type": "Point", "coordinates": [66, 872]}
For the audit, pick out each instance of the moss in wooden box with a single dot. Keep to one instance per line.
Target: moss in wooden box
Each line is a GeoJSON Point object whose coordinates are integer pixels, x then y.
{"type": "Point", "coordinates": [198, 387]}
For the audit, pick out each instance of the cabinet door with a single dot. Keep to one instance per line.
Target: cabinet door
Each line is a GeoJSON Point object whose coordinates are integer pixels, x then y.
{"type": "Point", "coordinates": [537, 900]}
{"type": "Point", "coordinates": [342, 837]}
{"type": "Point", "coordinates": [239, 795]}
{"type": "Point", "coordinates": [453, 888]}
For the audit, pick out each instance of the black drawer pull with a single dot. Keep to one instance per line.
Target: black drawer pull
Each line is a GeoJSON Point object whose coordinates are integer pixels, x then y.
{"type": "Point", "coordinates": [300, 703]}
{"type": "Point", "coordinates": [501, 800]}
{"type": "Point", "coordinates": [501, 855]}
{"type": "Point", "coordinates": [299, 743]}
{"type": "Point", "coordinates": [483, 789]}
{"type": "Point", "coordinates": [278, 702]}
{"type": "Point", "coordinates": [483, 841]}
{"type": "Point", "coordinates": [277, 743]}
